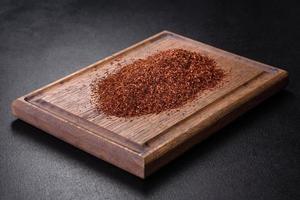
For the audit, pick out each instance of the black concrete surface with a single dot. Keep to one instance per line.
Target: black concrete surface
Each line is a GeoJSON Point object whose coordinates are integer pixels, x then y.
{"type": "Point", "coordinates": [256, 157]}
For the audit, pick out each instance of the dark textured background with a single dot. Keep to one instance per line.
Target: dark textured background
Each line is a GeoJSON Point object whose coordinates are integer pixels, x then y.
{"type": "Point", "coordinates": [256, 157]}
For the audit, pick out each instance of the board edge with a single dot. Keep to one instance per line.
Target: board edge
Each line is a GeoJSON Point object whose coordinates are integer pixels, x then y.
{"type": "Point", "coordinates": [113, 153]}
{"type": "Point", "coordinates": [156, 159]}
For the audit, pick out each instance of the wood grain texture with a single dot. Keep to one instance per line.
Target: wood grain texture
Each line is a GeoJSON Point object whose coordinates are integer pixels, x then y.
{"type": "Point", "coordinates": [143, 144]}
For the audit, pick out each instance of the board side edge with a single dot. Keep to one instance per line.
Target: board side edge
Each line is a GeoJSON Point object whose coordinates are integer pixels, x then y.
{"type": "Point", "coordinates": [153, 163]}
{"type": "Point", "coordinates": [95, 145]}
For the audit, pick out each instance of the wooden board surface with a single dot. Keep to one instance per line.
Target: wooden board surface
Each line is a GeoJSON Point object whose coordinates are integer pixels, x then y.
{"type": "Point", "coordinates": [141, 145]}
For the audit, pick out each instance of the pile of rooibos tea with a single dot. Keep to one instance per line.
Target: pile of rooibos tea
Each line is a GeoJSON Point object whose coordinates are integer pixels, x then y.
{"type": "Point", "coordinates": [160, 82]}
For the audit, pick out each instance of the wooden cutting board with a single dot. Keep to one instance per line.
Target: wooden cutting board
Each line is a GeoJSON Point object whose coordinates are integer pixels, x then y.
{"type": "Point", "coordinates": [141, 145]}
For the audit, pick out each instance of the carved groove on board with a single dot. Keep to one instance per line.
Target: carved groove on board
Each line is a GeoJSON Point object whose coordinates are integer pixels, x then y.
{"type": "Point", "coordinates": [85, 124]}
{"type": "Point", "coordinates": [205, 107]}
{"type": "Point", "coordinates": [110, 135]}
